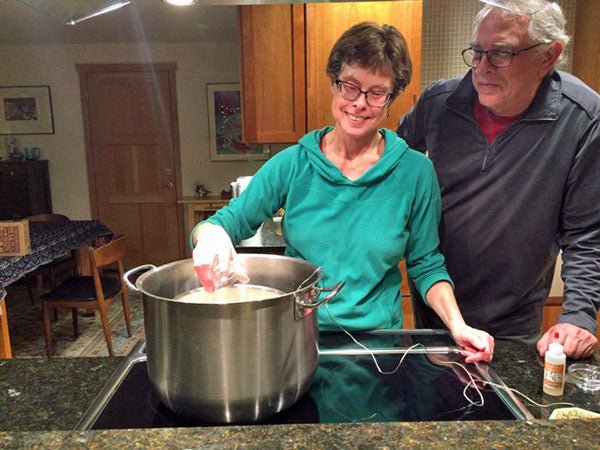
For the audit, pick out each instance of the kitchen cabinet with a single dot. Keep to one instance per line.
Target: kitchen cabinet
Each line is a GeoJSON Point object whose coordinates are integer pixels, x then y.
{"type": "Point", "coordinates": [407, 310]}
{"type": "Point", "coordinates": [284, 50]}
{"type": "Point", "coordinates": [24, 189]}
{"type": "Point", "coordinates": [5, 351]}
{"type": "Point", "coordinates": [586, 61]}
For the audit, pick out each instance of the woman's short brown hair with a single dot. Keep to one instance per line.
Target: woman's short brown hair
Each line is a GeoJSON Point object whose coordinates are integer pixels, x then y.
{"type": "Point", "coordinates": [375, 47]}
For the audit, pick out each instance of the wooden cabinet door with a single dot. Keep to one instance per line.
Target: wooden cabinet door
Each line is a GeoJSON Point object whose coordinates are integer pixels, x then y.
{"type": "Point", "coordinates": [586, 63]}
{"type": "Point", "coordinates": [273, 81]}
{"type": "Point", "coordinates": [24, 189]}
{"type": "Point", "coordinates": [285, 90]}
{"type": "Point", "coordinates": [325, 22]}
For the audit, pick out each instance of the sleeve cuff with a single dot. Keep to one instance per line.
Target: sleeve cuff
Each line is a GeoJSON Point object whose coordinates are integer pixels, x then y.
{"type": "Point", "coordinates": [581, 320]}
{"type": "Point", "coordinates": [423, 285]}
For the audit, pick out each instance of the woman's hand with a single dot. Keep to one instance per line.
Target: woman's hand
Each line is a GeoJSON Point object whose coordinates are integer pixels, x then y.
{"type": "Point", "coordinates": [215, 259]}
{"type": "Point", "coordinates": [477, 345]}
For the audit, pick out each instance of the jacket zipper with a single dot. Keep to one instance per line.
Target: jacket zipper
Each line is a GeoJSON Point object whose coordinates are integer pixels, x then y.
{"type": "Point", "coordinates": [486, 155]}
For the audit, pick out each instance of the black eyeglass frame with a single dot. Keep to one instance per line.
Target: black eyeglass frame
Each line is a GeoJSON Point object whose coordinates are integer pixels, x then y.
{"type": "Point", "coordinates": [339, 82]}
{"type": "Point", "coordinates": [512, 54]}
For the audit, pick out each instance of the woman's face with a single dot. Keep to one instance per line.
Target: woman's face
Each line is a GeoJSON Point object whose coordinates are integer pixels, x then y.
{"type": "Point", "coordinates": [356, 118]}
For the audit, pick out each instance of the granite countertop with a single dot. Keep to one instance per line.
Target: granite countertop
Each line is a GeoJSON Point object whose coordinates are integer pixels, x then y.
{"type": "Point", "coordinates": [268, 239]}
{"type": "Point", "coordinates": [41, 400]}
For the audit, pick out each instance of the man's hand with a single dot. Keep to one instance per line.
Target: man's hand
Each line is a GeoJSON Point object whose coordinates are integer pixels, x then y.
{"type": "Point", "coordinates": [577, 342]}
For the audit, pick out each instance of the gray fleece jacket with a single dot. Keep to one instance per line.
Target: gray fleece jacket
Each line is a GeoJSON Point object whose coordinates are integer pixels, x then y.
{"type": "Point", "coordinates": [508, 207]}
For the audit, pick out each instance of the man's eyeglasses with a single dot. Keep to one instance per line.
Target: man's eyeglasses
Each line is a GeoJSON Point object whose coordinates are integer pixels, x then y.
{"type": "Point", "coordinates": [351, 92]}
{"type": "Point", "coordinates": [497, 58]}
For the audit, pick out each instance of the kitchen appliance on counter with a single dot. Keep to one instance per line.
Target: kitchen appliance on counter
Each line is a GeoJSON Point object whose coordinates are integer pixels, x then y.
{"type": "Point", "coordinates": [347, 387]}
{"type": "Point", "coordinates": [238, 186]}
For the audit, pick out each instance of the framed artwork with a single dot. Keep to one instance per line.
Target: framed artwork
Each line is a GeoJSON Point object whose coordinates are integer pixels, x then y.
{"type": "Point", "coordinates": [225, 126]}
{"type": "Point", "coordinates": [26, 110]}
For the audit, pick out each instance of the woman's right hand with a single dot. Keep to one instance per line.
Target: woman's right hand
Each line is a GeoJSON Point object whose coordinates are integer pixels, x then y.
{"type": "Point", "coordinates": [215, 259]}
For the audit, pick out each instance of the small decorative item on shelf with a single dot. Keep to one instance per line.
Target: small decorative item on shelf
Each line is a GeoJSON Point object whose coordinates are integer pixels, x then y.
{"type": "Point", "coordinates": [226, 195]}
{"type": "Point", "coordinates": [32, 153]}
{"type": "Point", "coordinates": [201, 190]}
{"type": "Point", "coordinates": [15, 154]}
{"type": "Point", "coordinates": [12, 149]}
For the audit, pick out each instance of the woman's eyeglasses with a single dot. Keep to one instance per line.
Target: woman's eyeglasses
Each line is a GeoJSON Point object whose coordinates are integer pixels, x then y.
{"type": "Point", "coordinates": [351, 92]}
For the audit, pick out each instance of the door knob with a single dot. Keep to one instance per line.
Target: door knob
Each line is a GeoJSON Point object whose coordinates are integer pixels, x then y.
{"type": "Point", "coordinates": [169, 185]}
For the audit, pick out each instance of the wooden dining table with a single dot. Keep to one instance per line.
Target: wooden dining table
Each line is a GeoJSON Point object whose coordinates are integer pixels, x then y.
{"type": "Point", "coordinates": [49, 241]}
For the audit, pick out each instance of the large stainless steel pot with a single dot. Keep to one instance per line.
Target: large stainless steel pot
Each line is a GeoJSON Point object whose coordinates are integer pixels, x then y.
{"type": "Point", "coordinates": [234, 362]}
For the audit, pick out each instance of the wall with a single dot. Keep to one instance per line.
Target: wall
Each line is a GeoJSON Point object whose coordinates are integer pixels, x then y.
{"type": "Point", "coordinates": [54, 65]}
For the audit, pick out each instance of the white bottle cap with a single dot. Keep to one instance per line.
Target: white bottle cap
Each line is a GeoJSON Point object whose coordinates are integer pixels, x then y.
{"type": "Point", "coordinates": [555, 349]}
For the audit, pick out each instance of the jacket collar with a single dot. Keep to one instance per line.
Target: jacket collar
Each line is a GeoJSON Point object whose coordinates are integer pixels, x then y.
{"type": "Point", "coordinates": [545, 105]}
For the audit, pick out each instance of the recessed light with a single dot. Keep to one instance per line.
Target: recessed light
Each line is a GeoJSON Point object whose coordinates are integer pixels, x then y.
{"type": "Point", "coordinates": [180, 2]}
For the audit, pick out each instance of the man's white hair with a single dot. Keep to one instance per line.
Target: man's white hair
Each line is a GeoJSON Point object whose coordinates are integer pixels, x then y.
{"type": "Point", "coordinates": [547, 23]}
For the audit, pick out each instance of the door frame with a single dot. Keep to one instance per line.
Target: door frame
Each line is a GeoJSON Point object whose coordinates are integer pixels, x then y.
{"type": "Point", "coordinates": [170, 68]}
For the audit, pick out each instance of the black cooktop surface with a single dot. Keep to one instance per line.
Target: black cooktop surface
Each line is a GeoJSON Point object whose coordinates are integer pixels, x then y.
{"type": "Point", "coordinates": [348, 387]}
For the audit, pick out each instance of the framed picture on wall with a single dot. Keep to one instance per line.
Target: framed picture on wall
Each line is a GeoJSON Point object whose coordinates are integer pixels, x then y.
{"type": "Point", "coordinates": [26, 110]}
{"type": "Point", "coordinates": [225, 126]}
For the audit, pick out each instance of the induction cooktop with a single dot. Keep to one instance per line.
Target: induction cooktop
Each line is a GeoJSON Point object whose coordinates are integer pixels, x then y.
{"type": "Point", "coordinates": [352, 384]}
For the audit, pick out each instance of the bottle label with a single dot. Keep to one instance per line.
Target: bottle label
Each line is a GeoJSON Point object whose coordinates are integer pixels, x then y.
{"type": "Point", "coordinates": [554, 375]}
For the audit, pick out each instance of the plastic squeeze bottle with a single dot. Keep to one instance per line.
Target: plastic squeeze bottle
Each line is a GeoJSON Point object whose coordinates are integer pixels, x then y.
{"type": "Point", "coordinates": [554, 368]}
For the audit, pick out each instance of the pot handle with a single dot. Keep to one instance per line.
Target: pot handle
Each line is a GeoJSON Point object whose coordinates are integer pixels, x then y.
{"type": "Point", "coordinates": [305, 308]}
{"type": "Point", "coordinates": [145, 267]}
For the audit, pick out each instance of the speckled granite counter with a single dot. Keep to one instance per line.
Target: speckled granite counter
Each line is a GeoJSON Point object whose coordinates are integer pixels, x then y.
{"type": "Point", "coordinates": [41, 399]}
{"type": "Point", "coordinates": [268, 239]}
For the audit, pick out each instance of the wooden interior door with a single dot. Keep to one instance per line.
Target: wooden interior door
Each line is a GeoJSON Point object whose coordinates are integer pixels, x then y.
{"type": "Point", "coordinates": [325, 22]}
{"type": "Point", "coordinates": [132, 151]}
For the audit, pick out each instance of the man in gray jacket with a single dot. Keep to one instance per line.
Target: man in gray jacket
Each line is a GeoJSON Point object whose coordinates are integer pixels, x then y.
{"type": "Point", "coordinates": [516, 147]}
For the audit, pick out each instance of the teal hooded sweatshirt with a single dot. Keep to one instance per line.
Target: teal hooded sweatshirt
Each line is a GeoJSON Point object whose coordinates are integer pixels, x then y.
{"type": "Point", "coordinates": [357, 231]}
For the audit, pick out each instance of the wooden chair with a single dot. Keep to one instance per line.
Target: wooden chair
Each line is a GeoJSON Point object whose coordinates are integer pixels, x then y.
{"type": "Point", "coordinates": [94, 292]}
{"type": "Point", "coordinates": [49, 275]}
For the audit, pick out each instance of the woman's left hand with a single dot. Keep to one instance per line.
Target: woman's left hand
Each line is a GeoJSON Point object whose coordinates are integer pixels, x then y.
{"type": "Point", "coordinates": [477, 345]}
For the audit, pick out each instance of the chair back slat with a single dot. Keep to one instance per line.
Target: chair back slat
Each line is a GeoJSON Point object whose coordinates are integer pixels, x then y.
{"type": "Point", "coordinates": [109, 253]}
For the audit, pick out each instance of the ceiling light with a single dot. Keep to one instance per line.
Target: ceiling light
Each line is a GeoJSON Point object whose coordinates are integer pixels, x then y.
{"type": "Point", "coordinates": [180, 2]}
{"type": "Point", "coordinates": [103, 10]}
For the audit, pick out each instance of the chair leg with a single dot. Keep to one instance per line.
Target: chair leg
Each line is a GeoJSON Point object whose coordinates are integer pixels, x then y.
{"type": "Point", "coordinates": [31, 294]}
{"type": "Point", "coordinates": [39, 284]}
{"type": "Point", "coordinates": [75, 324]}
{"type": "Point", "coordinates": [126, 311]}
{"type": "Point", "coordinates": [47, 333]}
{"type": "Point", "coordinates": [106, 327]}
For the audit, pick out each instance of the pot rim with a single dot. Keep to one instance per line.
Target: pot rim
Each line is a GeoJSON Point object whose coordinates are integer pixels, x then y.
{"type": "Point", "coordinates": [317, 274]}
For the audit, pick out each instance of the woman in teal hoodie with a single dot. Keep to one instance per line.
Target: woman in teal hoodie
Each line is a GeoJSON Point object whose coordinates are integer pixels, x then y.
{"type": "Point", "coordinates": [356, 198]}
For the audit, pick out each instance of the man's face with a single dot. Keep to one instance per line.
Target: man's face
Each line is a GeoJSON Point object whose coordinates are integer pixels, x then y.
{"type": "Point", "coordinates": [508, 91]}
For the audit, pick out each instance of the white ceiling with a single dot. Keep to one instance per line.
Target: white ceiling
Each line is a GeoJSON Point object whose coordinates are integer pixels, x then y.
{"type": "Point", "coordinates": [24, 22]}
